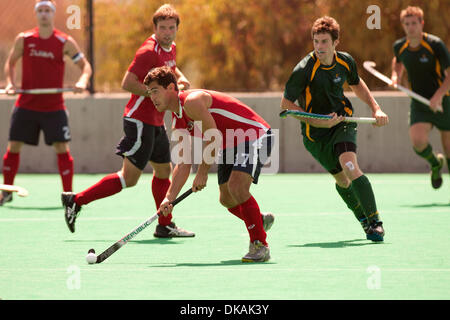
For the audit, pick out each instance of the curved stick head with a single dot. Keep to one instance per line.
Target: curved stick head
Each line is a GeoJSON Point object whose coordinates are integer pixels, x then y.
{"type": "Point", "coordinates": [21, 192]}
{"type": "Point", "coordinates": [283, 114]}
{"type": "Point", "coordinates": [369, 64]}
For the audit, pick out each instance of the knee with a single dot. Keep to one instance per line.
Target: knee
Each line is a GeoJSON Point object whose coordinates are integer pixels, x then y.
{"type": "Point", "coordinates": [352, 172]}
{"type": "Point", "coordinates": [15, 146]}
{"type": "Point", "coordinates": [162, 171]}
{"type": "Point", "coordinates": [239, 191]}
{"type": "Point", "coordinates": [419, 142]}
{"type": "Point", "coordinates": [61, 147]}
{"type": "Point", "coordinates": [129, 179]}
{"type": "Point", "coordinates": [226, 201]}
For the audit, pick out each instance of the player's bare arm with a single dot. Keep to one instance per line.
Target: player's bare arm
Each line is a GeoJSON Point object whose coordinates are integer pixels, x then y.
{"type": "Point", "coordinates": [289, 105]}
{"type": "Point", "coordinates": [131, 83]}
{"type": "Point", "coordinates": [362, 92]}
{"type": "Point", "coordinates": [14, 55]}
{"type": "Point", "coordinates": [196, 107]}
{"type": "Point", "coordinates": [397, 72]}
{"type": "Point", "coordinates": [72, 50]}
{"type": "Point", "coordinates": [436, 99]}
{"type": "Point", "coordinates": [182, 81]}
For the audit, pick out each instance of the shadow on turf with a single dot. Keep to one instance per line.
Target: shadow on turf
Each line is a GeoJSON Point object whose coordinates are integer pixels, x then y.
{"type": "Point", "coordinates": [34, 208]}
{"type": "Point", "coordinates": [152, 241]}
{"type": "Point", "coordinates": [331, 245]}
{"type": "Point", "coordinates": [427, 205]}
{"type": "Point", "coordinates": [221, 264]}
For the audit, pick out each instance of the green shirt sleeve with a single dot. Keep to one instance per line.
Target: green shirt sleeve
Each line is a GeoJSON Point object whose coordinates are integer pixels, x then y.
{"type": "Point", "coordinates": [296, 84]}
{"type": "Point", "coordinates": [353, 77]}
{"type": "Point", "coordinates": [396, 49]}
{"type": "Point", "coordinates": [442, 55]}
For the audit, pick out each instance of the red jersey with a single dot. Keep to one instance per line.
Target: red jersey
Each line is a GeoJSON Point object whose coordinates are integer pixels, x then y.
{"type": "Point", "coordinates": [236, 121]}
{"type": "Point", "coordinates": [42, 67]}
{"type": "Point", "coordinates": [150, 55]}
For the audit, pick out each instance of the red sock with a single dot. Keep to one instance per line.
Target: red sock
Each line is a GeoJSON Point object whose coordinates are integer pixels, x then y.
{"type": "Point", "coordinates": [10, 166]}
{"type": "Point", "coordinates": [159, 190]}
{"type": "Point", "coordinates": [252, 217]}
{"type": "Point", "coordinates": [65, 167]}
{"type": "Point", "coordinates": [236, 211]}
{"type": "Point", "coordinates": [106, 187]}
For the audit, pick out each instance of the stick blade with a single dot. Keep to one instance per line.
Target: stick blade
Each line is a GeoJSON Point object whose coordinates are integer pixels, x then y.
{"type": "Point", "coordinates": [21, 192]}
{"type": "Point", "coordinates": [369, 64]}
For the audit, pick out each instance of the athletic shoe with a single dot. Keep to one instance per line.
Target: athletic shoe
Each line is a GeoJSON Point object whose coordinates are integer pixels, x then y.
{"type": "Point", "coordinates": [268, 219]}
{"type": "Point", "coordinates": [171, 231]}
{"type": "Point", "coordinates": [375, 231]}
{"type": "Point", "coordinates": [257, 252]}
{"type": "Point", "coordinates": [6, 197]}
{"type": "Point", "coordinates": [71, 209]}
{"type": "Point", "coordinates": [436, 177]}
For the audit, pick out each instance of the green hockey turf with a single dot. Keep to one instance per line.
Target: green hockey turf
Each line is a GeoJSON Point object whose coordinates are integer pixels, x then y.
{"type": "Point", "coordinates": [318, 248]}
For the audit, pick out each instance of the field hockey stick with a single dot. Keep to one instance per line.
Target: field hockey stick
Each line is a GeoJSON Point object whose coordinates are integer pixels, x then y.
{"type": "Point", "coordinates": [370, 66]}
{"type": "Point", "coordinates": [21, 192]}
{"type": "Point", "coordinates": [307, 115]}
{"type": "Point", "coordinates": [116, 246]}
{"type": "Point", "coordinates": [41, 91]}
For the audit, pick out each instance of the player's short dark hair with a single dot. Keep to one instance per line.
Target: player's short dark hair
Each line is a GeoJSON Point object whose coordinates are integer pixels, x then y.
{"type": "Point", "coordinates": [411, 12]}
{"type": "Point", "coordinates": [166, 11]}
{"type": "Point", "coordinates": [326, 24]}
{"type": "Point", "coordinates": [162, 75]}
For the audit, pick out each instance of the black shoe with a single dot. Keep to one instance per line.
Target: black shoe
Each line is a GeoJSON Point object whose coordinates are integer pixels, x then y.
{"type": "Point", "coordinates": [436, 177]}
{"type": "Point", "coordinates": [171, 231]}
{"type": "Point", "coordinates": [375, 231]}
{"type": "Point", "coordinates": [6, 197]}
{"type": "Point", "coordinates": [71, 209]}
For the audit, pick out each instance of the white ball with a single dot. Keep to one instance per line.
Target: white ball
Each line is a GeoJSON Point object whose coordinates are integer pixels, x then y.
{"type": "Point", "coordinates": [91, 258]}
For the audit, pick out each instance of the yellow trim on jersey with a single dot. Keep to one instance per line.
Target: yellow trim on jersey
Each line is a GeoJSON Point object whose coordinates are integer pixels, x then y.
{"type": "Point", "coordinates": [308, 99]}
{"type": "Point", "coordinates": [339, 60]}
{"type": "Point", "coordinates": [323, 68]}
{"type": "Point", "coordinates": [426, 46]}
{"type": "Point", "coordinates": [347, 109]}
{"type": "Point", "coordinates": [404, 46]}
{"type": "Point", "coordinates": [316, 65]}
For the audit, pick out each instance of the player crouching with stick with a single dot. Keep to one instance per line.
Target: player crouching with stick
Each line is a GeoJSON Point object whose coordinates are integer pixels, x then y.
{"type": "Point", "coordinates": [317, 83]}
{"type": "Point", "coordinates": [241, 158]}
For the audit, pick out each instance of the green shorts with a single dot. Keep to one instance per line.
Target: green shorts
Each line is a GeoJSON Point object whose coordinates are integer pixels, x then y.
{"type": "Point", "coordinates": [324, 149]}
{"type": "Point", "coordinates": [422, 113]}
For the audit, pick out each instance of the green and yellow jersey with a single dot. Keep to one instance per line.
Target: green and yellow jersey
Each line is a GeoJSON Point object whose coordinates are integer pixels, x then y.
{"type": "Point", "coordinates": [424, 64]}
{"type": "Point", "coordinates": [319, 89]}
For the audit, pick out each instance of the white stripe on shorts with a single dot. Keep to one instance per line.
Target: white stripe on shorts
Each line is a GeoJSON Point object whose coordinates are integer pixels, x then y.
{"type": "Point", "coordinates": [137, 144]}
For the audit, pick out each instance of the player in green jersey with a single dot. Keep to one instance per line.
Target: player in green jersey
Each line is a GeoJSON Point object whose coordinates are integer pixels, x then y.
{"type": "Point", "coordinates": [317, 84]}
{"type": "Point", "coordinates": [427, 62]}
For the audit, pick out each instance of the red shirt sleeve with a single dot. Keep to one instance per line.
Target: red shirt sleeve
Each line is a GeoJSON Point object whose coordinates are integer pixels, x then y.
{"type": "Point", "coordinates": [144, 60]}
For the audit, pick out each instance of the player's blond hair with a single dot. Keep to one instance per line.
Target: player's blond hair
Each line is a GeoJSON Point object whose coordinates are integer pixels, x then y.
{"type": "Point", "coordinates": [326, 24]}
{"type": "Point", "coordinates": [411, 11]}
{"type": "Point", "coordinates": [166, 11]}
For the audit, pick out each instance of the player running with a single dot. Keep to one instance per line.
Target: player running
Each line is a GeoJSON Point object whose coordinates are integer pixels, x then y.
{"type": "Point", "coordinates": [145, 138]}
{"type": "Point", "coordinates": [241, 135]}
{"type": "Point", "coordinates": [427, 62]}
{"type": "Point", "coordinates": [317, 83]}
{"type": "Point", "coordinates": [42, 50]}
